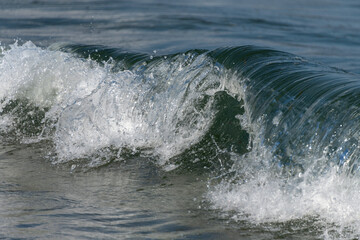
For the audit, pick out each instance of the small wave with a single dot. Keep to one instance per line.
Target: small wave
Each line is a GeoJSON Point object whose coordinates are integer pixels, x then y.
{"type": "Point", "coordinates": [280, 132]}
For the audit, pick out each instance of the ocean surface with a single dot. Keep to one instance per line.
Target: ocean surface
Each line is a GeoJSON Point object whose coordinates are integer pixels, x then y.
{"type": "Point", "coordinates": [154, 119]}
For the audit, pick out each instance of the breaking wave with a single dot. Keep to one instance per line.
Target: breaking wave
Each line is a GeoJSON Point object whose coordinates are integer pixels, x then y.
{"type": "Point", "coordinates": [279, 134]}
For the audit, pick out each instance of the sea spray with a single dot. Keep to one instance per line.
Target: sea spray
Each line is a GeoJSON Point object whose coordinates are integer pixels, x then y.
{"type": "Point", "coordinates": [160, 108]}
{"type": "Point", "coordinates": [277, 134]}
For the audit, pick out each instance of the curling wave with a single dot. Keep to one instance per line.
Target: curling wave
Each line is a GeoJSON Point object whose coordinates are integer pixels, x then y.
{"type": "Point", "coordinates": [281, 133]}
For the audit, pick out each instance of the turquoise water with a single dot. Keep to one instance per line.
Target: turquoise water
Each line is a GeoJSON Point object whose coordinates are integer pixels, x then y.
{"type": "Point", "coordinates": [179, 120]}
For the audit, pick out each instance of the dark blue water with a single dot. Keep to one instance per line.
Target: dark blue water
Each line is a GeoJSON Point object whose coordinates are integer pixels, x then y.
{"type": "Point", "coordinates": [179, 120]}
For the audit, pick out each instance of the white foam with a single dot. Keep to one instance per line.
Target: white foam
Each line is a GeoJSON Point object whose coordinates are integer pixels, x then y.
{"type": "Point", "coordinates": [151, 111]}
{"type": "Point", "coordinates": [94, 107]}
{"type": "Point", "coordinates": [46, 78]}
{"type": "Point", "coordinates": [331, 198]}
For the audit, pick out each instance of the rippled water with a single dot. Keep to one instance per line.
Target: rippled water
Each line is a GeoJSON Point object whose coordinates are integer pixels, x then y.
{"type": "Point", "coordinates": [327, 31]}
{"type": "Point", "coordinates": [132, 199]}
{"type": "Point", "coordinates": [179, 120]}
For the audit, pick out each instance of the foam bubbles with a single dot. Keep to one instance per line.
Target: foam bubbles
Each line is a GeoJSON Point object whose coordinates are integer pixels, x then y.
{"type": "Point", "coordinates": [149, 112]}
{"type": "Point", "coordinates": [46, 78]}
{"type": "Point", "coordinates": [91, 106]}
{"type": "Point", "coordinates": [330, 199]}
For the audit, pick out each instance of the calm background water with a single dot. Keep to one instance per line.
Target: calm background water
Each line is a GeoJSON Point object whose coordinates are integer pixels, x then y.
{"type": "Point", "coordinates": [323, 30]}
{"type": "Point", "coordinates": [136, 199]}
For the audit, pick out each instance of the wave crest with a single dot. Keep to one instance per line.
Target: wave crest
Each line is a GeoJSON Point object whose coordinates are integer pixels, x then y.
{"type": "Point", "coordinates": [281, 133]}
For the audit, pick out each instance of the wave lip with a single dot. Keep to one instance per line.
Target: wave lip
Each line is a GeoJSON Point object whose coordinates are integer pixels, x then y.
{"type": "Point", "coordinates": [303, 124]}
{"type": "Point", "coordinates": [304, 108]}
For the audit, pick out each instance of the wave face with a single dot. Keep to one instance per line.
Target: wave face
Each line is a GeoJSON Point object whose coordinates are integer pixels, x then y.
{"type": "Point", "coordinates": [303, 122]}
{"type": "Point", "coordinates": [279, 134]}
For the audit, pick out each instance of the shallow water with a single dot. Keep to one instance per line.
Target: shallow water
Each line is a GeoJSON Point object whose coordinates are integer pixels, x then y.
{"type": "Point", "coordinates": [132, 199]}
{"type": "Point", "coordinates": [124, 200]}
{"type": "Point", "coordinates": [186, 120]}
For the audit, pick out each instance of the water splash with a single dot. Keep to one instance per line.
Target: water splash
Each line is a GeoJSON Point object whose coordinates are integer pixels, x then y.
{"type": "Point", "coordinates": [282, 132]}
{"type": "Point", "coordinates": [159, 108]}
